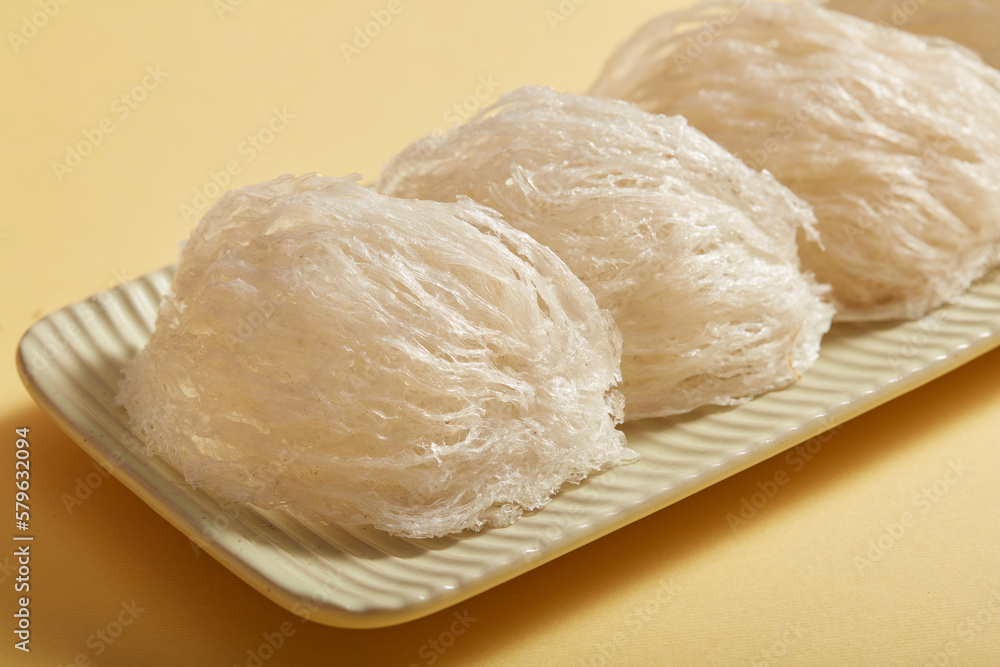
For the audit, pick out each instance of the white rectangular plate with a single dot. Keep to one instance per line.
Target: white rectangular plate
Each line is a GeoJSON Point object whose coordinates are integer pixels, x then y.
{"type": "Point", "coordinates": [357, 577]}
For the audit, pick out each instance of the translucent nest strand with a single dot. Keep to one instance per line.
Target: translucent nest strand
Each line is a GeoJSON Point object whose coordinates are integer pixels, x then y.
{"type": "Point", "coordinates": [693, 252]}
{"type": "Point", "coordinates": [351, 357]}
{"type": "Point", "coordinates": [893, 138]}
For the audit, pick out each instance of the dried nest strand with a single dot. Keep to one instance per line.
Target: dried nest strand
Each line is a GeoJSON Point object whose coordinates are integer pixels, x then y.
{"type": "Point", "coordinates": [420, 367]}
{"type": "Point", "coordinates": [893, 138]}
{"type": "Point", "coordinates": [974, 24]}
{"type": "Point", "coordinates": [693, 252]}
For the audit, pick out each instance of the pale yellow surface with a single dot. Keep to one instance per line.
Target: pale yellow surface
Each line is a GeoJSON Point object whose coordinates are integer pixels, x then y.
{"type": "Point", "coordinates": [680, 587]}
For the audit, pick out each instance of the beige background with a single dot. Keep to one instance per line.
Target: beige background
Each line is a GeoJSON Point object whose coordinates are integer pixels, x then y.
{"type": "Point", "coordinates": [679, 587]}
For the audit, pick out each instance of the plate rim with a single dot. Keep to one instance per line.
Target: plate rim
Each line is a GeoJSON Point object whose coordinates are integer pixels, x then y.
{"type": "Point", "coordinates": [238, 561]}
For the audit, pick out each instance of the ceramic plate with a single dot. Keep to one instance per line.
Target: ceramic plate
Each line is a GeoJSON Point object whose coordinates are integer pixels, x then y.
{"type": "Point", "coordinates": [361, 578]}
